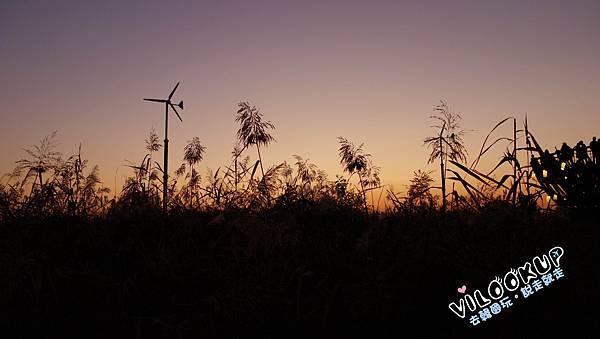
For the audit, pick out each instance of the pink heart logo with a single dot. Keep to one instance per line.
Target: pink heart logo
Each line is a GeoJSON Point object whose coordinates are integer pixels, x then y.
{"type": "Point", "coordinates": [462, 289]}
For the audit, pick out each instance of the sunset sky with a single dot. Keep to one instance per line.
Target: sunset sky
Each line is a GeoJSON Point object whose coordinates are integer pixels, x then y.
{"type": "Point", "coordinates": [370, 71]}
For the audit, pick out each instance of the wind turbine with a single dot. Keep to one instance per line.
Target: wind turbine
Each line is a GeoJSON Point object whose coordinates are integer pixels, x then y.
{"type": "Point", "coordinates": [168, 104]}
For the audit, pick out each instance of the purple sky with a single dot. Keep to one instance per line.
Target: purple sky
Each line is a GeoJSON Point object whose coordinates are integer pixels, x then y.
{"type": "Point", "coordinates": [371, 71]}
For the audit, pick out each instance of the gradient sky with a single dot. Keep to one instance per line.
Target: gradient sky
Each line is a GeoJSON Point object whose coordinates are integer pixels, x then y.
{"type": "Point", "coordinates": [371, 71]}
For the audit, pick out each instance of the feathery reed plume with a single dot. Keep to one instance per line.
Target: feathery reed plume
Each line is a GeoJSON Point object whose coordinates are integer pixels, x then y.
{"type": "Point", "coordinates": [193, 153]}
{"type": "Point", "coordinates": [447, 144]}
{"type": "Point", "coordinates": [253, 131]}
{"type": "Point", "coordinates": [355, 161]}
{"type": "Point", "coordinates": [42, 158]}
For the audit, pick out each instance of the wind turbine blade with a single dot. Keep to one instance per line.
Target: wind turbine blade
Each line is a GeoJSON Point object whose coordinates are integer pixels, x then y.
{"type": "Point", "coordinates": [156, 100]}
{"type": "Point", "coordinates": [174, 110]}
{"type": "Point", "coordinates": [173, 92]}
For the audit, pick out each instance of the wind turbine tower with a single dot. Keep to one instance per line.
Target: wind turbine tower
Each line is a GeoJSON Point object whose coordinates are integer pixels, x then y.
{"type": "Point", "coordinates": [168, 104]}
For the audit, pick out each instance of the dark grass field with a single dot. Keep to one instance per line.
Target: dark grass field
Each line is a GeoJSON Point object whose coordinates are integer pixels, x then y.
{"type": "Point", "coordinates": [301, 271]}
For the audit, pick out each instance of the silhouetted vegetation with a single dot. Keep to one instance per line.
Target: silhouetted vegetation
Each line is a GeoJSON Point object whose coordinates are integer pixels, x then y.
{"type": "Point", "coordinates": [285, 251]}
{"type": "Point", "coordinates": [569, 176]}
{"type": "Point", "coordinates": [447, 144]}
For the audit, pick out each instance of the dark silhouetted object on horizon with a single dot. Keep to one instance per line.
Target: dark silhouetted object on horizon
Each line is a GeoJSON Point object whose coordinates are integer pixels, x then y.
{"type": "Point", "coordinates": [167, 103]}
{"type": "Point", "coordinates": [570, 176]}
